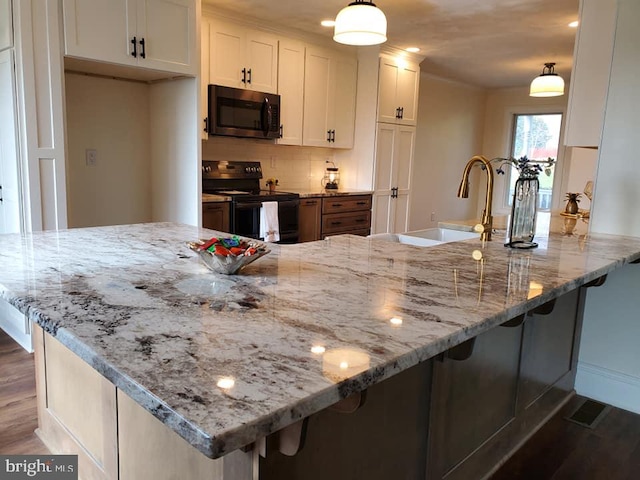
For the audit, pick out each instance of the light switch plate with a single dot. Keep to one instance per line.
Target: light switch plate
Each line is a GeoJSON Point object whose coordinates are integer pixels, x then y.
{"type": "Point", "coordinates": [91, 157]}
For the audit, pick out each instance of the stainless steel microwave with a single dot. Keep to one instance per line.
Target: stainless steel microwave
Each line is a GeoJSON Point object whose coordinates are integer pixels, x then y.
{"type": "Point", "coordinates": [243, 113]}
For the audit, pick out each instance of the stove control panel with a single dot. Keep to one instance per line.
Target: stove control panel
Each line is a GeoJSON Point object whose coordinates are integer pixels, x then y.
{"type": "Point", "coordinates": [231, 170]}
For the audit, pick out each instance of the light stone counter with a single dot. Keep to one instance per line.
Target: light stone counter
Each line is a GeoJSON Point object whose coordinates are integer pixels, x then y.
{"type": "Point", "coordinates": [332, 193]}
{"type": "Point", "coordinates": [138, 306]}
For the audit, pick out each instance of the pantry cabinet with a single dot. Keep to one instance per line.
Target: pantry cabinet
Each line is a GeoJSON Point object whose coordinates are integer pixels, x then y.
{"type": "Point", "coordinates": [241, 57]}
{"type": "Point", "coordinates": [592, 56]}
{"type": "Point", "coordinates": [291, 90]}
{"type": "Point", "coordinates": [392, 177]}
{"type": "Point", "coordinates": [399, 82]}
{"type": "Point", "coordinates": [153, 34]}
{"type": "Point", "coordinates": [330, 98]}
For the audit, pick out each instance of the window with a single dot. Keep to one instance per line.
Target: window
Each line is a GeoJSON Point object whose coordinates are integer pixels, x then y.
{"type": "Point", "coordinates": [538, 137]}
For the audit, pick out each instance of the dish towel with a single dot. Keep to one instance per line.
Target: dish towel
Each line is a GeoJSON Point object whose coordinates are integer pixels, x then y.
{"type": "Point", "coordinates": [269, 227]}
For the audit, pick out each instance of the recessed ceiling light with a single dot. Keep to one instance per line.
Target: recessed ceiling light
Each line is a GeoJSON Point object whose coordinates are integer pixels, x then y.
{"type": "Point", "coordinates": [412, 49]}
{"type": "Point", "coordinates": [574, 24]}
{"type": "Point", "coordinates": [328, 23]}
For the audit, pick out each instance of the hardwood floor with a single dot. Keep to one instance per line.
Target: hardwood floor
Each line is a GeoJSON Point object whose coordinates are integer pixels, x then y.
{"type": "Point", "coordinates": [18, 415]}
{"type": "Point", "coordinates": [561, 450]}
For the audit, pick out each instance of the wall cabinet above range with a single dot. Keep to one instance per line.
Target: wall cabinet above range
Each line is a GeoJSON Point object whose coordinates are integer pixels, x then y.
{"type": "Point", "coordinates": [398, 91]}
{"type": "Point", "coordinates": [241, 57]}
{"type": "Point", "coordinates": [153, 34]}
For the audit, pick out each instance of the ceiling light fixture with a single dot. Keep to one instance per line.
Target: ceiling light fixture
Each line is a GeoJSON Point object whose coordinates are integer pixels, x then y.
{"type": "Point", "coordinates": [360, 23]}
{"type": "Point", "coordinates": [574, 24]}
{"type": "Point", "coordinates": [548, 84]}
{"type": "Point", "coordinates": [412, 49]}
{"type": "Point", "coordinates": [328, 23]}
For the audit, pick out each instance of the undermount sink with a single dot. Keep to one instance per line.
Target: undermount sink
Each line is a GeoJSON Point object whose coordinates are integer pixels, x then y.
{"type": "Point", "coordinates": [426, 238]}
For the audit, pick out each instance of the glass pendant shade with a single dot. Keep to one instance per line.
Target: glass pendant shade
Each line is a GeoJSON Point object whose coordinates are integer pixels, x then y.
{"type": "Point", "coordinates": [360, 23]}
{"type": "Point", "coordinates": [549, 84]}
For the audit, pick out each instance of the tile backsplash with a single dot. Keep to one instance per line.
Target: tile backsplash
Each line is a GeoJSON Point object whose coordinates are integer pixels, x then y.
{"type": "Point", "coordinates": [296, 168]}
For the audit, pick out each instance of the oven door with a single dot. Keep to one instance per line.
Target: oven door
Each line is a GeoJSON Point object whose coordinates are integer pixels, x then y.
{"type": "Point", "coordinates": [245, 220]}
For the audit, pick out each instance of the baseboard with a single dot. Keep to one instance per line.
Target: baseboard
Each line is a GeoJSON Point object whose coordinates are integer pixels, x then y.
{"type": "Point", "coordinates": [608, 386]}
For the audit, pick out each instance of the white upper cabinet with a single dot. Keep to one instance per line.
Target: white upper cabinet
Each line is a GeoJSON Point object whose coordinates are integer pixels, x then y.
{"type": "Point", "coordinates": [291, 90]}
{"type": "Point", "coordinates": [399, 82]}
{"type": "Point", "coordinates": [329, 98]}
{"type": "Point", "coordinates": [242, 58]}
{"type": "Point", "coordinates": [154, 34]}
{"type": "Point", "coordinates": [590, 76]}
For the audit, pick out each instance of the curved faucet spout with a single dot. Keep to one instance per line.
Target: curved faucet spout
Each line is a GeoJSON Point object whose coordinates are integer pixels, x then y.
{"type": "Point", "coordinates": [463, 192]}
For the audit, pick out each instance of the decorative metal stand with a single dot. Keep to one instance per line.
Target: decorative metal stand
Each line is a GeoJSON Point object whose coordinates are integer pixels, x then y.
{"type": "Point", "coordinates": [523, 212]}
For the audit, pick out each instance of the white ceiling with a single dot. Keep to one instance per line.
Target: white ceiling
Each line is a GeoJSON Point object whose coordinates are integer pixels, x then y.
{"type": "Point", "coordinates": [488, 43]}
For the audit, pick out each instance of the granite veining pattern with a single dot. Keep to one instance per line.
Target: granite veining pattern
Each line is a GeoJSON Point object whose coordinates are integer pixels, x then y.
{"type": "Point", "coordinates": [136, 304]}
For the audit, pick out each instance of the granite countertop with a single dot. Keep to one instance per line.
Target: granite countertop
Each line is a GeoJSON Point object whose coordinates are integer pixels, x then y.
{"type": "Point", "coordinates": [332, 193]}
{"type": "Point", "coordinates": [141, 309]}
{"type": "Point", "coordinates": [212, 198]}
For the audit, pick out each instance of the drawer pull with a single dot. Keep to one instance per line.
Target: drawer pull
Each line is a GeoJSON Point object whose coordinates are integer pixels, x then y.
{"type": "Point", "coordinates": [360, 220]}
{"type": "Point", "coordinates": [337, 205]}
{"type": "Point", "coordinates": [361, 203]}
{"type": "Point", "coordinates": [336, 223]}
{"type": "Point", "coordinates": [312, 202]}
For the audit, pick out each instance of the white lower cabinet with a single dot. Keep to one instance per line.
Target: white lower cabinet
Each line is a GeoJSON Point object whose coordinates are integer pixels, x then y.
{"type": "Point", "coordinates": [392, 178]}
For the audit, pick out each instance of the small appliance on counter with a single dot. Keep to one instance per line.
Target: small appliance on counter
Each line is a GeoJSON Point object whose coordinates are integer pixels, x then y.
{"type": "Point", "coordinates": [241, 182]}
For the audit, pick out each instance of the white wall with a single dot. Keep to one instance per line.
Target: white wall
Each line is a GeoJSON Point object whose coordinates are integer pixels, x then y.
{"type": "Point", "coordinates": [609, 364]}
{"type": "Point", "coordinates": [580, 165]}
{"type": "Point", "coordinates": [448, 134]}
{"type": "Point", "coordinates": [502, 105]}
{"type": "Point", "coordinates": [175, 151]}
{"type": "Point", "coordinates": [112, 117]}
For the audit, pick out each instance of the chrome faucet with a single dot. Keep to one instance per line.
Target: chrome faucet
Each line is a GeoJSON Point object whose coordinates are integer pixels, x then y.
{"type": "Point", "coordinates": [463, 192]}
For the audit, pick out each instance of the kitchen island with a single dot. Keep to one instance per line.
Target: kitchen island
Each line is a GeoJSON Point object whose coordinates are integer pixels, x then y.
{"type": "Point", "coordinates": [227, 361]}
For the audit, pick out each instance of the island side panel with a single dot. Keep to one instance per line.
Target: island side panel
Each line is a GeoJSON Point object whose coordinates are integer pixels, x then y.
{"type": "Point", "coordinates": [76, 409]}
{"type": "Point", "coordinates": [149, 450]}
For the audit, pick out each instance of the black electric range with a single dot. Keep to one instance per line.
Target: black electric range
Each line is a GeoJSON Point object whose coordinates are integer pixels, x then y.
{"type": "Point", "coordinates": [241, 181]}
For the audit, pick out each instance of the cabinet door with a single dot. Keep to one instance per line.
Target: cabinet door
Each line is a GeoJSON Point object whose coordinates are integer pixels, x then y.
{"type": "Point", "coordinates": [6, 33]}
{"type": "Point", "coordinates": [343, 101]}
{"type": "Point", "coordinates": [310, 220]}
{"type": "Point", "coordinates": [393, 167]}
{"type": "Point", "coordinates": [387, 88]}
{"type": "Point", "coordinates": [317, 83]}
{"type": "Point", "coordinates": [407, 94]}
{"type": "Point", "coordinates": [215, 216]}
{"type": "Point", "coordinates": [291, 90]}
{"type": "Point", "coordinates": [227, 44]}
{"type": "Point", "coordinates": [9, 181]}
{"type": "Point", "coordinates": [100, 30]}
{"type": "Point", "coordinates": [205, 26]}
{"type": "Point", "coordinates": [592, 56]}
{"type": "Point", "coordinates": [261, 62]}
{"type": "Point", "coordinates": [168, 30]}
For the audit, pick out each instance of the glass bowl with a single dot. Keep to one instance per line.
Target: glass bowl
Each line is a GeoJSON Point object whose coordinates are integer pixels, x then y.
{"type": "Point", "coordinates": [229, 263]}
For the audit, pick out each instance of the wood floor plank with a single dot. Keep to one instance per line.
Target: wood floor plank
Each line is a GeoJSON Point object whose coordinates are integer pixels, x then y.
{"type": "Point", "coordinates": [18, 411]}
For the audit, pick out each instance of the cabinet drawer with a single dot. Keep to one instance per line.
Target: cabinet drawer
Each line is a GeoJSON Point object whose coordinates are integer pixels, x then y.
{"type": "Point", "coordinates": [346, 222]}
{"type": "Point", "coordinates": [346, 204]}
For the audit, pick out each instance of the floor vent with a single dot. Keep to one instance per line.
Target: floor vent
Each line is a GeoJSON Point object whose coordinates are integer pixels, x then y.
{"type": "Point", "coordinates": [589, 413]}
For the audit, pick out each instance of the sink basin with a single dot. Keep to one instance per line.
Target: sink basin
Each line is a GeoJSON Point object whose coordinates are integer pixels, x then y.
{"type": "Point", "coordinates": [426, 238]}
{"type": "Point", "coordinates": [442, 234]}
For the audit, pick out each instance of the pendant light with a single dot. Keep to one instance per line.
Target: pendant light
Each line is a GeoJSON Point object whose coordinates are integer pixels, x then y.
{"type": "Point", "coordinates": [548, 84]}
{"type": "Point", "coordinates": [360, 23]}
